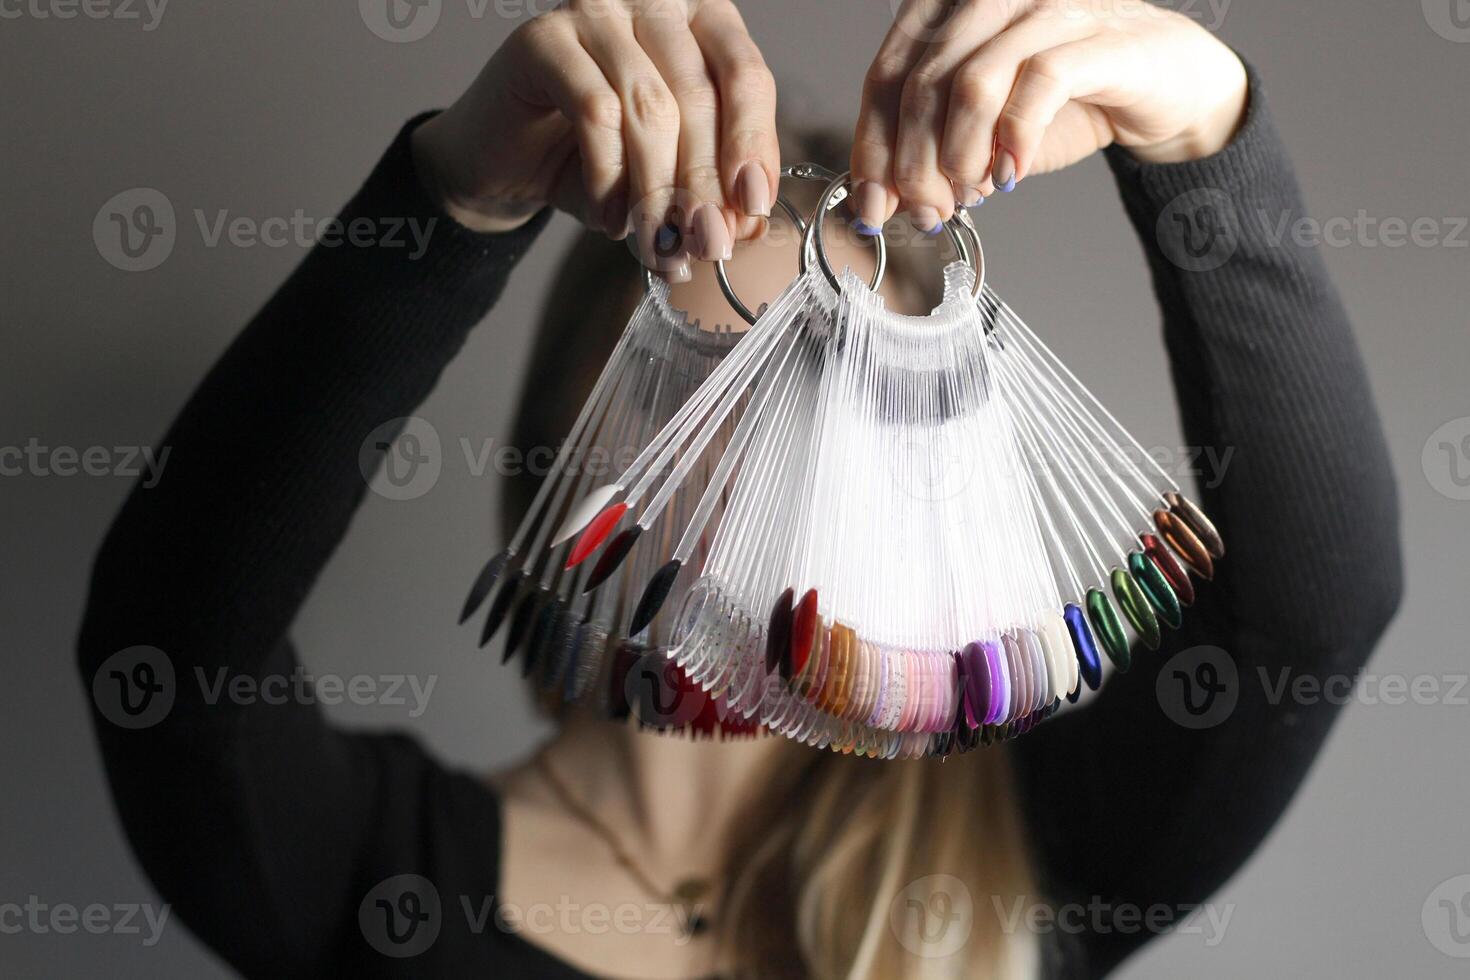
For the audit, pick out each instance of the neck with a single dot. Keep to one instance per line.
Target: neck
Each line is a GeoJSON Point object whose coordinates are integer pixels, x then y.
{"type": "Point", "coordinates": [674, 798]}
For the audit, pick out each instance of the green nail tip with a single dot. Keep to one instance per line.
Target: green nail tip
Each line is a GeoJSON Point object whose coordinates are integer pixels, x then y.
{"type": "Point", "coordinates": [1136, 608]}
{"type": "Point", "coordinates": [1156, 587]}
{"type": "Point", "coordinates": [1109, 629]}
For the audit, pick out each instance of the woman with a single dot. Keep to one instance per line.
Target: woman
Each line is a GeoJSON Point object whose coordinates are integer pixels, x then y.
{"type": "Point", "coordinates": [292, 848]}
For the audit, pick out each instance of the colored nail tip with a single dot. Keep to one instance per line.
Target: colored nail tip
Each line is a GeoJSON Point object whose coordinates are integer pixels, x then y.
{"type": "Point", "coordinates": [585, 510]}
{"type": "Point", "coordinates": [595, 533]}
{"type": "Point", "coordinates": [612, 557]}
{"type": "Point", "coordinates": [504, 600]}
{"type": "Point", "coordinates": [1089, 664]}
{"type": "Point", "coordinates": [1109, 629]}
{"type": "Point", "coordinates": [778, 631]}
{"type": "Point", "coordinates": [1185, 543]}
{"type": "Point", "coordinates": [1201, 525]}
{"type": "Point", "coordinates": [1008, 186]}
{"type": "Point", "coordinates": [654, 596]}
{"type": "Point", "coordinates": [803, 631]}
{"type": "Point", "coordinates": [1156, 588]}
{"type": "Point", "coordinates": [863, 228]}
{"type": "Point", "coordinates": [1164, 559]}
{"type": "Point", "coordinates": [936, 230]}
{"type": "Point", "coordinates": [484, 582]}
{"type": "Point", "coordinates": [1136, 608]}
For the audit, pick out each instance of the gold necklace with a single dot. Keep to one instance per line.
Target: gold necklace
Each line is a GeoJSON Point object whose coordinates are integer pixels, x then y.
{"type": "Point", "coordinates": [686, 893]}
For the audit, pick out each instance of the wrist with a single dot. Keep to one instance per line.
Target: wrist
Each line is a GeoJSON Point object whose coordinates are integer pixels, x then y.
{"type": "Point", "coordinates": [1212, 131]}
{"type": "Point", "coordinates": [433, 150]}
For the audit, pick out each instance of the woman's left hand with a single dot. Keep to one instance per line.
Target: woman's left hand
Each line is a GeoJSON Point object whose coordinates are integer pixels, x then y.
{"type": "Point", "coordinates": [969, 96]}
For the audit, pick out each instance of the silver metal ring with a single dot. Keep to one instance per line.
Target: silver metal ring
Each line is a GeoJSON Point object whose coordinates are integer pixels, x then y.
{"type": "Point", "coordinates": [960, 228]}
{"type": "Point", "coordinates": [723, 278]}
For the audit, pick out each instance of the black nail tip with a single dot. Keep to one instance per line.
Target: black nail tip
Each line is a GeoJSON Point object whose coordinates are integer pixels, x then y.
{"type": "Point", "coordinates": [484, 582]}
{"type": "Point", "coordinates": [612, 556]}
{"type": "Point", "coordinates": [504, 600]}
{"type": "Point", "coordinates": [778, 635]}
{"type": "Point", "coordinates": [521, 619]}
{"type": "Point", "coordinates": [654, 596]}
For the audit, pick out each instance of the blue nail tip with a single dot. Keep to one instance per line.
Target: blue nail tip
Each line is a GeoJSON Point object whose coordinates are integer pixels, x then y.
{"type": "Point", "coordinates": [863, 228]}
{"type": "Point", "coordinates": [1089, 664]}
{"type": "Point", "coordinates": [977, 203]}
{"type": "Point", "coordinates": [1009, 185]}
{"type": "Point", "coordinates": [938, 227]}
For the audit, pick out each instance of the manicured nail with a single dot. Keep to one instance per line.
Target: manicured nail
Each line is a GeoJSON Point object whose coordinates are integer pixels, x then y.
{"type": "Point", "coordinates": [753, 185]}
{"type": "Point", "coordinates": [927, 220]}
{"type": "Point", "coordinates": [870, 201]}
{"type": "Point", "coordinates": [678, 270]}
{"type": "Point", "coordinates": [710, 233]}
{"type": "Point", "coordinates": [967, 195]}
{"type": "Point", "coordinates": [1004, 171]}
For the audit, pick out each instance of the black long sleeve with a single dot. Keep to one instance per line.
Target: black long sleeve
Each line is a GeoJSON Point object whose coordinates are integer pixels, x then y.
{"type": "Point", "coordinates": [1131, 808]}
{"type": "Point", "coordinates": [265, 827]}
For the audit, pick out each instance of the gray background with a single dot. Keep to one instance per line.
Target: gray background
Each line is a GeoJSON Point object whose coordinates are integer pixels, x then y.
{"type": "Point", "coordinates": [266, 109]}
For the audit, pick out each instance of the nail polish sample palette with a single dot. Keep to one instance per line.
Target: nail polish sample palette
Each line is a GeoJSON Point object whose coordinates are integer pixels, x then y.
{"type": "Point", "coordinates": [891, 535]}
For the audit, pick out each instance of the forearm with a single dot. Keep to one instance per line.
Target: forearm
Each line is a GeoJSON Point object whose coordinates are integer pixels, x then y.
{"type": "Point", "coordinates": [263, 471]}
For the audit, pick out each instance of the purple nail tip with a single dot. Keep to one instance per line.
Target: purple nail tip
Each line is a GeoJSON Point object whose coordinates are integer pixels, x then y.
{"type": "Point", "coordinates": [1009, 185]}
{"type": "Point", "coordinates": [978, 202]}
{"type": "Point", "coordinates": [863, 228]}
{"type": "Point", "coordinates": [938, 227]}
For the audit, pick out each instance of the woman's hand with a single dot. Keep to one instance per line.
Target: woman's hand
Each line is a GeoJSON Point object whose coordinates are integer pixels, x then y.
{"type": "Point", "coordinates": [966, 96]}
{"type": "Point", "coordinates": [632, 115]}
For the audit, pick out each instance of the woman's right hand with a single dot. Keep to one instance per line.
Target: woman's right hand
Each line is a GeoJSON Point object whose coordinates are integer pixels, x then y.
{"type": "Point", "coordinates": [631, 115]}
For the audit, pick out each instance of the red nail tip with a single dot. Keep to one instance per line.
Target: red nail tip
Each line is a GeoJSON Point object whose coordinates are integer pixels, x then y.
{"type": "Point", "coordinates": [595, 533]}
{"type": "Point", "coordinates": [1173, 571]}
{"type": "Point", "coordinates": [803, 631]}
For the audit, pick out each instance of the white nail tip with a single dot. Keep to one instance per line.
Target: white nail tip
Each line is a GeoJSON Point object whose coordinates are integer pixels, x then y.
{"type": "Point", "coordinates": [581, 515]}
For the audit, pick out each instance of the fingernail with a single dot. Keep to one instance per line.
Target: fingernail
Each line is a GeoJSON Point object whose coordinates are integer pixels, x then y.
{"type": "Point", "coordinates": [679, 271]}
{"type": "Point", "coordinates": [711, 235]}
{"type": "Point", "coordinates": [1004, 171]}
{"type": "Point", "coordinates": [927, 220]}
{"type": "Point", "coordinates": [753, 185]}
{"type": "Point", "coordinates": [967, 195]}
{"type": "Point", "coordinates": [870, 201]}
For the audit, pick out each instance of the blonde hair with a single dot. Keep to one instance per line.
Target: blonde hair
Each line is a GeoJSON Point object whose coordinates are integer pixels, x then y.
{"type": "Point", "coordinates": [848, 868]}
{"type": "Point", "coordinates": [882, 870]}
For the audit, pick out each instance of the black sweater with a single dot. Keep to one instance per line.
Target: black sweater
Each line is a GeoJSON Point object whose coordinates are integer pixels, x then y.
{"type": "Point", "coordinates": [269, 829]}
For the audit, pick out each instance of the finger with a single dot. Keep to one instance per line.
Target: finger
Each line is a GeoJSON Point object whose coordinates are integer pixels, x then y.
{"type": "Point", "coordinates": [980, 89]}
{"type": "Point", "coordinates": [927, 192]}
{"type": "Point", "coordinates": [566, 77]}
{"type": "Point", "coordinates": [1047, 82]}
{"type": "Point", "coordinates": [662, 28]}
{"type": "Point", "coordinates": [750, 155]}
{"type": "Point", "coordinates": [650, 118]}
{"type": "Point", "coordinates": [920, 25]}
